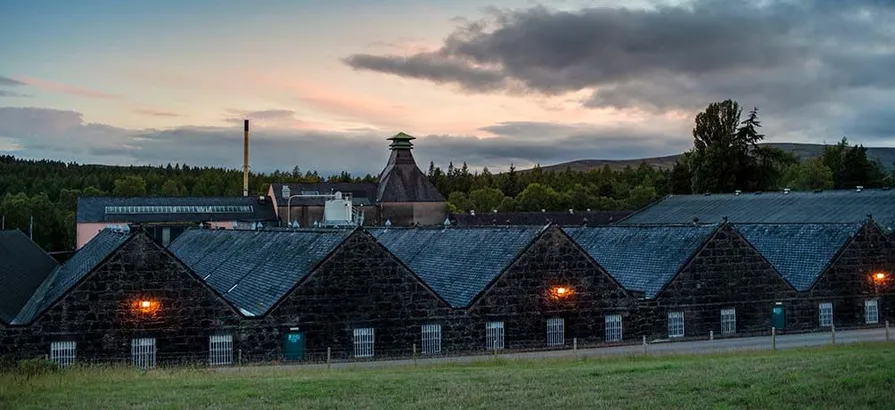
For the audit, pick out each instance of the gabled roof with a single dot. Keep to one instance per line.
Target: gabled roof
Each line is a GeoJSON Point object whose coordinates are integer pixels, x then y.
{"type": "Point", "coordinates": [24, 266]}
{"type": "Point", "coordinates": [799, 252]}
{"type": "Point", "coordinates": [841, 206]}
{"type": "Point", "coordinates": [67, 275]}
{"type": "Point", "coordinates": [642, 258]}
{"type": "Point", "coordinates": [253, 270]}
{"type": "Point", "coordinates": [583, 218]}
{"type": "Point", "coordinates": [99, 209]}
{"type": "Point", "coordinates": [362, 193]}
{"type": "Point", "coordinates": [457, 263]}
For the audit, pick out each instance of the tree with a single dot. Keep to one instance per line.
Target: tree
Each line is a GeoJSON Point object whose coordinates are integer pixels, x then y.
{"type": "Point", "coordinates": [809, 175]}
{"type": "Point", "coordinates": [641, 196]}
{"type": "Point", "coordinates": [536, 197]}
{"type": "Point", "coordinates": [726, 155]}
{"type": "Point", "coordinates": [851, 167]}
{"type": "Point", "coordinates": [486, 199]}
{"type": "Point", "coordinates": [681, 177]}
{"type": "Point", "coordinates": [172, 188]}
{"type": "Point", "coordinates": [460, 201]}
{"type": "Point", "coordinates": [130, 186]}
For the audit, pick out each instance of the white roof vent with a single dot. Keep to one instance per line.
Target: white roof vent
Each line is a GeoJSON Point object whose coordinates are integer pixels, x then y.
{"type": "Point", "coordinates": [472, 212]}
{"type": "Point", "coordinates": [737, 192]}
{"type": "Point", "coordinates": [286, 192]}
{"type": "Point", "coordinates": [860, 187]}
{"type": "Point", "coordinates": [785, 191]}
{"type": "Point", "coordinates": [571, 211]}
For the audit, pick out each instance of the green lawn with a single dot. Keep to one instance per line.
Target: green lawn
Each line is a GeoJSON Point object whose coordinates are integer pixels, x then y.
{"type": "Point", "coordinates": [854, 376]}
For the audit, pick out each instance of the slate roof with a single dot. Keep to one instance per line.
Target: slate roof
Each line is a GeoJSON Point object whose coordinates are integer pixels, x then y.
{"type": "Point", "coordinates": [595, 218]}
{"type": "Point", "coordinates": [253, 270]}
{"type": "Point", "coordinates": [93, 209]}
{"type": "Point", "coordinates": [799, 252]}
{"type": "Point", "coordinates": [24, 266]}
{"type": "Point", "coordinates": [362, 193]}
{"type": "Point", "coordinates": [642, 258]}
{"type": "Point", "coordinates": [457, 263]}
{"type": "Point", "coordinates": [66, 276]}
{"type": "Point", "coordinates": [840, 206]}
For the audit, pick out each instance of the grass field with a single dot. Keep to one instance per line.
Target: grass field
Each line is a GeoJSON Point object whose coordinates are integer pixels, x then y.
{"type": "Point", "coordinates": [854, 376]}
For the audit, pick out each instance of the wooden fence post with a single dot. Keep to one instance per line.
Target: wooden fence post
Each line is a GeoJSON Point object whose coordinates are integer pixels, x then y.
{"type": "Point", "coordinates": [414, 353]}
{"type": "Point", "coordinates": [887, 330]}
{"type": "Point", "coordinates": [574, 343]}
{"type": "Point", "coordinates": [712, 339]}
{"type": "Point", "coordinates": [644, 345]}
{"type": "Point", "coordinates": [774, 338]}
{"type": "Point", "coordinates": [833, 333]}
{"type": "Point", "coordinates": [329, 356]}
{"type": "Point", "coordinates": [239, 357]}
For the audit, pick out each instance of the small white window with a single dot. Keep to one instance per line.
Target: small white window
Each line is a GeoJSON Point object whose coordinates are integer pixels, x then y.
{"type": "Point", "coordinates": [728, 321]}
{"type": "Point", "coordinates": [364, 340]}
{"type": "Point", "coordinates": [613, 328]}
{"type": "Point", "coordinates": [431, 339]}
{"type": "Point", "coordinates": [494, 335]}
{"type": "Point", "coordinates": [871, 311]}
{"type": "Point", "coordinates": [63, 353]}
{"type": "Point", "coordinates": [676, 324]}
{"type": "Point", "coordinates": [826, 314]}
{"type": "Point", "coordinates": [556, 331]}
{"type": "Point", "coordinates": [166, 236]}
{"type": "Point", "coordinates": [220, 350]}
{"type": "Point", "coordinates": [143, 352]}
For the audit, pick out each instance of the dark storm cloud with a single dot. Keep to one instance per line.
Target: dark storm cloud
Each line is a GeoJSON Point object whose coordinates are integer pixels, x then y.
{"type": "Point", "coordinates": [783, 56]}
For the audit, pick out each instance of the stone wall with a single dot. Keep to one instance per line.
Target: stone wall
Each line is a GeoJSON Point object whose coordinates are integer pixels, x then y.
{"type": "Point", "coordinates": [849, 281]}
{"type": "Point", "coordinates": [103, 314]}
{"type": "Point", "coordinates": [727, 273]}
{"type": "Point", "coordinates": [360, 285]}
{"type": "Point", "coordinates": [525, 296]}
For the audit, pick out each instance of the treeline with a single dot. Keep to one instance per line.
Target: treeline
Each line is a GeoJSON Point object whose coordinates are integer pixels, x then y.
{"type": "Point", "coordinates": [725, 157]}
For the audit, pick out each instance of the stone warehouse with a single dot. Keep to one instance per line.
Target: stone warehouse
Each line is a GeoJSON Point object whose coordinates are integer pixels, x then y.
{"type": "Point", "coordinates": [221, 296]}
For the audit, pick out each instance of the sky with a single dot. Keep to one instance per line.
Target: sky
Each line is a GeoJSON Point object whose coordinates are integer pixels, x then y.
{"type": "Point", "coordinates": [491, 83]}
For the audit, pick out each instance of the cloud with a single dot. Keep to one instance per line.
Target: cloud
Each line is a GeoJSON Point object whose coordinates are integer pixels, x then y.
{"type": "Point", "coordinates": [794, 60]}
{"type": "Point", "coordinates": [154, 113]}
{"type": "Point", "coordinates": [6, 81]}
{"type": "Point", "coordinates": [4, 93]}
{"type": "Point", "coordinates": [64, 135]}
{"type": "Point", "coordinates": [69, 89]}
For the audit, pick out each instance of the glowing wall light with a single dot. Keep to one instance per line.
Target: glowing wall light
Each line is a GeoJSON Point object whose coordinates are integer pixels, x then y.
{"type": "Point", "coordinates": [146, 306]}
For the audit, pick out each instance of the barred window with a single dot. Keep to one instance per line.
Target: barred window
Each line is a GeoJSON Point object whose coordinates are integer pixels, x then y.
{"type": "Point", "coordinates": [676, 324]}
{"type": "Point", "coordinates": [431, 339]}
{"type": "Point", "coordinates": [826, 314]}
{"type": "Point", "coordinates": [63, 353]}
{"type": "Point", "coordinates": [143, 352]}
{"type": "Point", "coordinates": [613, 328]}
{"type": "Point", "coordinates": [220, 350]}
{"type": "Point", "coordinates": [556, 331]}
{"type": "Point", "coordinates": [728, 321]}
{"type": "Point", "coordinates": [494, 335]}
{"type": "Point", "coordinates": [364, 341]}
{"type": "Point", "coordinates": [871, 311]}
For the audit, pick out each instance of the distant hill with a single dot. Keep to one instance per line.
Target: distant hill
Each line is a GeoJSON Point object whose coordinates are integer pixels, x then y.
{"type": "Point", "coordinates": [885, 155]}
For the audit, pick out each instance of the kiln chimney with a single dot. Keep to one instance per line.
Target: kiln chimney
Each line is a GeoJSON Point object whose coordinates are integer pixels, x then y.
{"type": "Point", "coordinates": [245, 160]}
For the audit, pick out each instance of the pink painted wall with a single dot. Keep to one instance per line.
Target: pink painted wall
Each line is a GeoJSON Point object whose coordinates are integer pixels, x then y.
{"type": "Point", "coordinates": [86, 232]}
